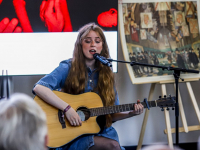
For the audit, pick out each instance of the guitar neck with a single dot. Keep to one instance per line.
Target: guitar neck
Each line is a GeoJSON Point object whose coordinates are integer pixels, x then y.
{"type": "Point", "coordinates": [117, 108]}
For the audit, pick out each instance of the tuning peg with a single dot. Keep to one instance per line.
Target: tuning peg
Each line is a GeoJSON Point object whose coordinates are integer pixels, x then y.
{"type": "Point", "coordinates": [162, 109]}
{"type": "Point", "coordinates": [167, 108]}
{"type": "Point", "coordinates": [165, 96]}
{"type": "Point", "coordinates": [172, 108]}
{"type": "Point", "coordinates": [159, 96]}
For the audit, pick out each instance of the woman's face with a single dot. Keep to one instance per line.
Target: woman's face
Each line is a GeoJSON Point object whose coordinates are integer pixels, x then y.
{"type": "Point", "coordinates": [92, 44]}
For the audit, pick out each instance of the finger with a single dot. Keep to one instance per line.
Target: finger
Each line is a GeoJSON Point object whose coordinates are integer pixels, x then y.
{"type": "Point", "coordinates": [48, 25]}
{"type": "Point", "coordinates": [18, 30]}
{"type": "Point", "coordinates": [139, 105]}
{"type": "Point", "coordinates": [4, 22]}
{"type": "Point", "coordinates": [136, 107]}
{"type": "Point", "coordinates": [140, 108]}
{"type": "Point", "coordinates": [58, 11]}
{"type": "Point", "coordinates": [66, 16]}
{"type": "Point", "coordinates": [20, 9]}
{"type": "Point", "coordinates": [49, 9]}
{"type": "Point", "coordinates": [74, 123]}
{"type": "Point", "coordinates": [11, 26]}
{"type": "Point", "coordinates": [19, 2]}
{"type": "Point", "coordinates": [42, 9]}
{"type": "Point", "coordinates": [64, 8]}
{"type": "Point", "coordinates": [79, 121]}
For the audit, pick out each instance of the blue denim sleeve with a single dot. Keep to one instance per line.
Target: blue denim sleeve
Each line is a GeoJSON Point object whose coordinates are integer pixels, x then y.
{"type": "Point", "coordinates": [57, 77]}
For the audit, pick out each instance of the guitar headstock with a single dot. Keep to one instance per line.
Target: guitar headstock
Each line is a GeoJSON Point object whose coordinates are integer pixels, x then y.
{"type": "Point", "coordinates": [166, 102]}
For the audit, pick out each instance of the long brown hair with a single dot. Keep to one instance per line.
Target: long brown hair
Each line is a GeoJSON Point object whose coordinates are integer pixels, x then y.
{"type": "Point", "coordinates": [77, 78]}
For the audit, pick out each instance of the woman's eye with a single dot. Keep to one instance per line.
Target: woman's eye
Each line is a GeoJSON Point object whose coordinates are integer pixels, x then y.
{"type": "Point", "coordinates": [87, 41]}
{"type": "Point", "coordinates": [90, 41]}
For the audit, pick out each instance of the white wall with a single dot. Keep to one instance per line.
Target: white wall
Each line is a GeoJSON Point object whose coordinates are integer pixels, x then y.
{"type": "Point", "coordinates": [129, 129]}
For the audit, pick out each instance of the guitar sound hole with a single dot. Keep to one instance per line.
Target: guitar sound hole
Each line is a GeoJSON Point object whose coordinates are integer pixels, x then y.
{"type": "Point", "coordinates": [83, 113]}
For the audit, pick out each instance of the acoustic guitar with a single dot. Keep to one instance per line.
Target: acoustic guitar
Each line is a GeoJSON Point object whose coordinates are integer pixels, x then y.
{"type": "Point", "coordinates": [88, 106]}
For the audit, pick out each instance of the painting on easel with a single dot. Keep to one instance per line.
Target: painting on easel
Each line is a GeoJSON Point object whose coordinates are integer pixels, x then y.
{"type": "Point", "coordinates": [160, 33]}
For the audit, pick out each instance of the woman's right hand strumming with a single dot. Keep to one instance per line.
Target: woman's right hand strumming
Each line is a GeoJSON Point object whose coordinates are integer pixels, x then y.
{"type": "Point", "coordinates": [73, 117]}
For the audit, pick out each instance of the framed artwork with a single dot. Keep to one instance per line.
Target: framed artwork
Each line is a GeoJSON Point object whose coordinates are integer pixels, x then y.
{"type": "Point", "coordinates": [179, 18]}
{"type": "Point", "coordinates": [146, 20]}
{"type": "Point", "coordinates": [185, 30]}
{"type": "Point", "coordinates": [193, 25]}
{"type": "Point", "coordinates": [143, 34]}
{"type": "Point", "coordinates": [164, 33]}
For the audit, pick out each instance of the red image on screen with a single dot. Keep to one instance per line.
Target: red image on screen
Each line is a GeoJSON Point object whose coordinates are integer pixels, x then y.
{"type": "Point", "coordinates": [55, 15]}
{"type": "Point", "coordinates": [108, 18]}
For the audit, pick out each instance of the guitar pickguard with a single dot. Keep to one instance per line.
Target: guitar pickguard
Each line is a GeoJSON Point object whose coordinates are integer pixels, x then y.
{"type": "Point", "coordinates": [83, 113]}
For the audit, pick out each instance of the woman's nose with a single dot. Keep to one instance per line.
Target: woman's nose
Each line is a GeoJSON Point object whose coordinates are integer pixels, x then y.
{"type": "Point", "coordinates": [93, 43]}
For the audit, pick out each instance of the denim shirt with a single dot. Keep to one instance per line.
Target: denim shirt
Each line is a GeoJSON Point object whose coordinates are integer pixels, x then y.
{"type": "Point", "coordinates": [56, 79]}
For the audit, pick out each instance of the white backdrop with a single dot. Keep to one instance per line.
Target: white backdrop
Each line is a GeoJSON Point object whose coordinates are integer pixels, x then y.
{"type": "Point", "coordinates": [40, 53]}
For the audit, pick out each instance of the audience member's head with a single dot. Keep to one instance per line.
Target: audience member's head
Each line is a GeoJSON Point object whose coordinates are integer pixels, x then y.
{"type": "Point", "coordinates": [22, 124]}
{"type": "Point", "coordinates": [160, 147]}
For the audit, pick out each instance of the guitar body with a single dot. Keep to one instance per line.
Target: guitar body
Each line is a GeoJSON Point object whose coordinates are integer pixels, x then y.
{"type": "Point", "coordinates": [59, 136]}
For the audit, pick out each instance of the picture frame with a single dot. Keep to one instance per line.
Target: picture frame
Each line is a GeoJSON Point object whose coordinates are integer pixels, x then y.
{"type": "Point", "coordinates": [170, 38]}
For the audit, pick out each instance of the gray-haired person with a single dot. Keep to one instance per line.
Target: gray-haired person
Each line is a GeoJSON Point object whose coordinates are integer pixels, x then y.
{"type": "Point", "coordinates": [22, 124]}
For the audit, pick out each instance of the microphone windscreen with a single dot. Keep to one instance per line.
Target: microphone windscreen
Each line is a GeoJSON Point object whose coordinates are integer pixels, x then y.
{"type": "Point", "coordinates": [95, 55]}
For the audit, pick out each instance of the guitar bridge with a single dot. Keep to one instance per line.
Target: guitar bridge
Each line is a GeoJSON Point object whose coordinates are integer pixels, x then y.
{"type": "Point", "coordinates": [61, 118]}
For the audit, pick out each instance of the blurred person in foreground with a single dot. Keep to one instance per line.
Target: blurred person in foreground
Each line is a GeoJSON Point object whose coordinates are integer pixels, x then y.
{"type": "Point", "coordinates": [22, 125]}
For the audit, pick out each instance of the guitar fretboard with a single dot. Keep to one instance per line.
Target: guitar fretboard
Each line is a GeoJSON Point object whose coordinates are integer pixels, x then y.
{"type": "Point", "coordinates": [117, 108]}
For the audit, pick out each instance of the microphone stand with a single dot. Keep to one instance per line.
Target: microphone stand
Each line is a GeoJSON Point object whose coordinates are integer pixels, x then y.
{"type": "Point", "coordinates": [176, 77]}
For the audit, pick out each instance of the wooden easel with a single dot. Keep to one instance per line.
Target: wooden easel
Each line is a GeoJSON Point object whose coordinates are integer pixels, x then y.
{"type": "Point", "coordinates": [168, 129]}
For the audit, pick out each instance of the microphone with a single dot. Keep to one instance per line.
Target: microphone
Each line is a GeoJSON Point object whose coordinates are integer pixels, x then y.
{"type": "Point", "coordinates": [102, 59]}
